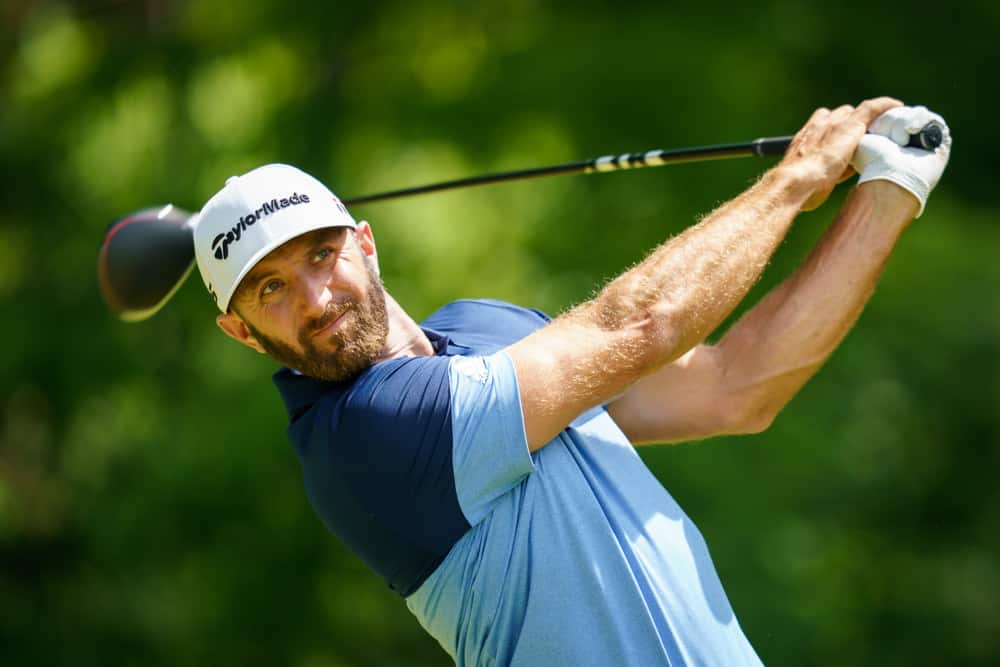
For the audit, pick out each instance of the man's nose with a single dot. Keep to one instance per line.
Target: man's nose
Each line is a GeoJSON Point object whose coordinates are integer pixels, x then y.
{"type": "Point", "coordinates": [315, 293]}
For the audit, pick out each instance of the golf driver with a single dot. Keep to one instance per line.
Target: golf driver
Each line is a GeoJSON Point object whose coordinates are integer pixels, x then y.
{"type": "Point", "coordinates": [146, 256]}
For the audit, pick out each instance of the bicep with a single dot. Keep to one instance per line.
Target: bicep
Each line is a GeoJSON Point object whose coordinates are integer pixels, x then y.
{"type": "Point", "coordinates": [688, 399]}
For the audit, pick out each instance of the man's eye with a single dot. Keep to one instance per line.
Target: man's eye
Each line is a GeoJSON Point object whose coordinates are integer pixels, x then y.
{"type": "Point", "coordinates": [321, 254]}
{"type": "Point", "coordinates": [270, 287]}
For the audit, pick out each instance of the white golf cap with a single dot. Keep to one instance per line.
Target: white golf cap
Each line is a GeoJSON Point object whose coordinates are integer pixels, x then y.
{"type": "Point", "coordinates": [254, 214]}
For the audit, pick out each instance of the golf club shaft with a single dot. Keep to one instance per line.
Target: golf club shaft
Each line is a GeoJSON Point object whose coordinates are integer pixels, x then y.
{"type": "Point", "coordinates": [757, 148]}
{"type": "Point", "coordinates": [929, 138]}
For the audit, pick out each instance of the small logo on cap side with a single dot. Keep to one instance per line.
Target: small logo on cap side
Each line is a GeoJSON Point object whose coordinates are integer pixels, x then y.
{"type": "Point", "coordinates": [221, 243]}
{"type": "Point", "coordinates": [340, 206]}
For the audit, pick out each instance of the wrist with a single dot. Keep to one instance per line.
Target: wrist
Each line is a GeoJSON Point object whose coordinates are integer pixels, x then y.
{"type": "Point", "coordinates": [891, 198]}
{"type": "Point", "coordinates": [795, 182]}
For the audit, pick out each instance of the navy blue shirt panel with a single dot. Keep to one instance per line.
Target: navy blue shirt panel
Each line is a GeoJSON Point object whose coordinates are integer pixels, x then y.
{"type": "Point", "coordinates": [376, 463]}
{"type": "Point", "coordinates": [376, 452]}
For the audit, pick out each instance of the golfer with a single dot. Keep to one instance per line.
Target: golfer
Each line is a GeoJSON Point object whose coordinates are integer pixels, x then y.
{"type": "Point", "coordinates": [482, 461]}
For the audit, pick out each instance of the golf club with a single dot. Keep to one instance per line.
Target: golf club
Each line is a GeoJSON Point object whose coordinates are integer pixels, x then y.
{"type": "Point", "coordinates": [146, 256]}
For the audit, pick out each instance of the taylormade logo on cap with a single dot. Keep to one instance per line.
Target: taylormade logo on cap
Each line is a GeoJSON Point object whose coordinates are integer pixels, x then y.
{"type": "Point", "coordinates": [254, 214]}
{"type": "Point", "coordinates": [221, 242]}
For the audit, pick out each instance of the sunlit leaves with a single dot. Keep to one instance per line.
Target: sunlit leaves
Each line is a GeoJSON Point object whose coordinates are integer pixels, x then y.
{"type": "Point", "coordinates": [232, 100]}
{"type": "Point", "coordinates": [56, 50]}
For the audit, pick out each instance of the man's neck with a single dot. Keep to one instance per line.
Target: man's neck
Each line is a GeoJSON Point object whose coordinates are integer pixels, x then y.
{"type": "Point", "coordinates": [406, 338]}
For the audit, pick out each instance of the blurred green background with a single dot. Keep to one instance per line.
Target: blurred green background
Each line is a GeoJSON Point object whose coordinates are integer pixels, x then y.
{"type": "Point", "coordinates": [151, 510]}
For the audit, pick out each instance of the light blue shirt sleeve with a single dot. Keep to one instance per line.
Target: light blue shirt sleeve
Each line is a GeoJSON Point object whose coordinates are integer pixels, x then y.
{"type": "Point", "coordinates": [489, 447]}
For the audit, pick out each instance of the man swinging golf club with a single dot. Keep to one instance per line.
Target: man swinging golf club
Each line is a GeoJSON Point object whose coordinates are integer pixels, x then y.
{"type": "Point", "coordinates": [482, 461]}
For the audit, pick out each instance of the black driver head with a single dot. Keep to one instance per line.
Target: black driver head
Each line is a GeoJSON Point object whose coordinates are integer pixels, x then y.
{"type": "Point", "coordinates": [144, 258]}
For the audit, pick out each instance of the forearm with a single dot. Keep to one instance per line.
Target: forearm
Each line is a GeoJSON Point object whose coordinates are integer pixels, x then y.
{"type": "Point", "coordinates": [687, 286]}
{"type": "Point", "coordinates": [654, 312]}
{"type": "Point", "coordinates": [780, 343]}
{"type": "Point", "coordinates": [674, 298]}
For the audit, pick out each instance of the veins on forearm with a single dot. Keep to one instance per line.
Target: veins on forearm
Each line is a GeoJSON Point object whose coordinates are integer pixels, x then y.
{"type": "Point", "coordinates": [783, 340]}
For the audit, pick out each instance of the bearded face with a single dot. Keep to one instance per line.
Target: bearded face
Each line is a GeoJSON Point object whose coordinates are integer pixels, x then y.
{"type": "Point", "coordinates": [348, 347]}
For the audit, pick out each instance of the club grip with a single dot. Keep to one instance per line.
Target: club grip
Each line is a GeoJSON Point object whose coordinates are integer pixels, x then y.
{"type": "Point", "coordinates": [767, 146]}
{"type": "Point", "coordinates": [928, 138]}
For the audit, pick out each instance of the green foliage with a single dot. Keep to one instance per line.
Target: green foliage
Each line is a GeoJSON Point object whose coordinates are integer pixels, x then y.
{"type": "Point", "coordinates": [151, 510]}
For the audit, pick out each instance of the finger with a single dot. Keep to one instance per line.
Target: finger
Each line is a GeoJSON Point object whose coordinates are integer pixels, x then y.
{"type": "Point", "coordinates": [844, 131]}
{"type": "Point", "coordinates": [842, 124]}
{"type": "Point", "coordinates": [847, 174]}
{"type": "Point", "coordinates": [900, 123]}
{"type": "Point", "coordinates": [885, 123]}
{"type": "Point", "coordinates": [841, 112]}
{"type": "Point", "coordinates": [816, 120]}
{"type": "Point", "coordinates": [818, 116]}
{"type": "Point", "coordinates": [920, 117]}
{"type": "Point", "coordinates": [802, 136]}
{"type": "Point", "coordinates": [871, 109]}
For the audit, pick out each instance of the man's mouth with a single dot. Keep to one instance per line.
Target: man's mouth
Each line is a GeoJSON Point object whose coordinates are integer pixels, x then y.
{"type": "Point", "coordinates": [332, 324]}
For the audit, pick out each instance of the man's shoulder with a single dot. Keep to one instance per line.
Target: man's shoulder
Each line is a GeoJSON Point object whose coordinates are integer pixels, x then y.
{"type": "Point", "coordinates": [386, 383]}
{"type": "Point", "coordinates": [485, 325]}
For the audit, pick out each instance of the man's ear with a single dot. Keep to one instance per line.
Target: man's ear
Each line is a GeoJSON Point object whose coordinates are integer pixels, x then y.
{"type": "Point", "coordinates": [234, 327]}
{"type": "Point", "coordinates": [366, 240]}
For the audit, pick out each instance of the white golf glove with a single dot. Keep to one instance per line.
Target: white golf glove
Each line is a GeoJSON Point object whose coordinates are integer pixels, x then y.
{"type": "Point", "coordinates": [883, 155]}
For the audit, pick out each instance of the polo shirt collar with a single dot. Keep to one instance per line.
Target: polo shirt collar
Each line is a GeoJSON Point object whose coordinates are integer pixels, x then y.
{"type": "Point", "coordinates": [299, 392]}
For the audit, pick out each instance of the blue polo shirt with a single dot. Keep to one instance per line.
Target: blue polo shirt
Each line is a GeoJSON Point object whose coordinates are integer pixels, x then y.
{"type": "Point", "coordinates": [573, 555]}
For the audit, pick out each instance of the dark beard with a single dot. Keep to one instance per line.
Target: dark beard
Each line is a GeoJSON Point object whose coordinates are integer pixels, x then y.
{"type": "Point", "coordinates": [358, 343]}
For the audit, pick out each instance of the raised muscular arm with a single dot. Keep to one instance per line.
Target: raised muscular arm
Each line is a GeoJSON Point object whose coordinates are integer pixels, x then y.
{"type": "Point", "coordinates": [740, 384]}
{"type": "Point", "coordinates": [669, 302]}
